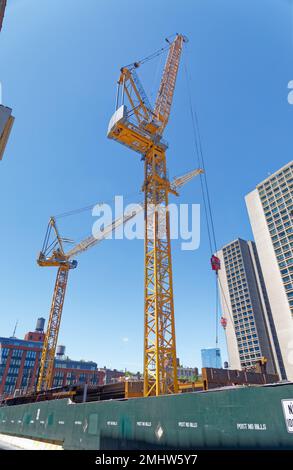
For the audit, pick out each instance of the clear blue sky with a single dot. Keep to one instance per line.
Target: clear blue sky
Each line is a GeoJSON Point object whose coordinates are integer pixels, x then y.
{"type": "Point", "coordinates": [59, 64]}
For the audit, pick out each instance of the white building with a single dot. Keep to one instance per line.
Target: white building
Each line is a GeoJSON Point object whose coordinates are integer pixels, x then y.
{"type": "Point", "coordinates": [270, 209]}
{"type": "Point", "coordinates": [249, 329]}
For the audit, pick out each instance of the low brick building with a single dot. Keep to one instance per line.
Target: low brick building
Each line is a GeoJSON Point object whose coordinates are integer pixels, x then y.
{"type": "Point", "coordinates": [20, 361]}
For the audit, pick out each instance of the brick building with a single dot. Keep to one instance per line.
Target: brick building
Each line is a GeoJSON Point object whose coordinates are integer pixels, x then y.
{"type": "Point", "coordinates": [20, 359]}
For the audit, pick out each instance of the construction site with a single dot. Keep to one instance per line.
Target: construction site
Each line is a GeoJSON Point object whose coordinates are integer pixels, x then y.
{"type": "Point", "coordinates": [222, 408]}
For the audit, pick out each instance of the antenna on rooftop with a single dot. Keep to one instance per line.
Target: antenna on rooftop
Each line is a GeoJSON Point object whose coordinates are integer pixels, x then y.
{"type": "Point", "coordinates": [14, 331]}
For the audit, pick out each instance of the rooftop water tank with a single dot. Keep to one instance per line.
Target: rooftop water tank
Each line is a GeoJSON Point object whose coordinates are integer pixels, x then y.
{"type": "Point", "coordinates": [60, 350]}
{"type": "Point", "coordinates": [40, 324]}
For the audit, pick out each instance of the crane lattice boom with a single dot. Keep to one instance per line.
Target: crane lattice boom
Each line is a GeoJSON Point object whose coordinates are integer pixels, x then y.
{"type": "Point", "coordinates": [50, 342]}
{"type": "Point", "coordinates": [167, 86]}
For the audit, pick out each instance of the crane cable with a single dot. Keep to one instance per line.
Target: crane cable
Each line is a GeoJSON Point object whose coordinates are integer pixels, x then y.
{"type": "Point", "coordinates": [89, 207]}
{"type": "Point", "coordinates": [154, 54]}
{"type": "Point", "coordinates": [148, 58]}
{"type": "Point", "coordinates": [206, 197]}
{"type": "Point", "coordinates": [155, 80]}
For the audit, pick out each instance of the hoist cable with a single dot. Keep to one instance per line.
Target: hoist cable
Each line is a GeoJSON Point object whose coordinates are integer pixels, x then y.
{"type": "Point", "coordinates": [206, 198]}
{"type": "Point", "coordinates": [227, 305]}
{"type": "Point", "coordinates": [196, 147]}
{"type": "Point", "coordinates": [217, 311]}
{"type": "Point", "coordinates": [206, 184]}
{"type": "Point", "coordinates": [91, 206]}
{"type": "Point", "coordinates": [48, 231]}
{"type": "Point", "coordinates": [199, 150]}
{"type": "Point", "coordinates": [155, 80]}
{"type": "Point", "coordinates": [149, 57]}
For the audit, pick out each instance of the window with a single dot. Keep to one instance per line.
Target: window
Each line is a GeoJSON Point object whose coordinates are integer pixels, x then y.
{"type": "Point", "coordinates": [5, 352]}
{"type": "Point", "coordinates": [17, 353]}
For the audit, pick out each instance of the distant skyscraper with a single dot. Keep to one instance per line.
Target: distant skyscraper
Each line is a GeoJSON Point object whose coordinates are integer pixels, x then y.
{"type": "Point", "coordinates": [250, 330]}
{"type": "Point", "coordinates": [270, 209]}
{"type": "Point", "coordinates": [211, 357]}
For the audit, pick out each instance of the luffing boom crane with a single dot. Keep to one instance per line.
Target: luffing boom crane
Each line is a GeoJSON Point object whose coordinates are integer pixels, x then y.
{"type": "Point", "coordinates": [53, 254]}
{"type": "Point", "coordinates": [140, 127]}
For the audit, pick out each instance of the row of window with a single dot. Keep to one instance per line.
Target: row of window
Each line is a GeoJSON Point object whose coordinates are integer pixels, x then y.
{"type": "Point", "coordinates": [17, 353]}
{"type": "Point", "coordinates": [278, 199]}
{"type": "Point", "coordinates": [65, 365]}
{"type": "Point", "coordinates": [278, 210]}
{"type": "Point", "coordinates": [276, 183]}
{"type": "Point", "coordinates": [245, 360]}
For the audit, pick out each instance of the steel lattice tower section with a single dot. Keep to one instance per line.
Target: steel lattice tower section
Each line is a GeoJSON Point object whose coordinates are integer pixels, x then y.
{"type": "Point", "coordinates": [48, 353]}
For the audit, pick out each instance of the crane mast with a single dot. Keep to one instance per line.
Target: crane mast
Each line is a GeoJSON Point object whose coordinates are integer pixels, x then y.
{"type": "Point", "coordinates": [145, 137]}
{"type": "Point", "coordinates": [53, 254]}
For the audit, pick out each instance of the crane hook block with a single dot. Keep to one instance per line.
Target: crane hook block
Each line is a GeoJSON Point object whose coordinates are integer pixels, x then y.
{"type": "Point", "coordinates": [224, 322]}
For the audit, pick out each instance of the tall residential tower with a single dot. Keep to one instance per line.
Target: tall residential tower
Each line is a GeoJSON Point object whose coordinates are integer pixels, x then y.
{"type": "Point", "coordinates": [250, 330]}
{"type": "Point", "coordinates": [270, 209]}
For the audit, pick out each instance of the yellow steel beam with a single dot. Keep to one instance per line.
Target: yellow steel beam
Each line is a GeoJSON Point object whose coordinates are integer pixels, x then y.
{"type": "Point", "coordinates": [45, 378]}
{"type": "Point", "coordinates": [160, 366]}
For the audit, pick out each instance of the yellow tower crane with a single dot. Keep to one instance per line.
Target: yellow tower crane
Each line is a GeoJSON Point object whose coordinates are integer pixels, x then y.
{"type": "Point", "coordinates": [53, 254]}
{"type": "Point", "coordinates": [140, 128]}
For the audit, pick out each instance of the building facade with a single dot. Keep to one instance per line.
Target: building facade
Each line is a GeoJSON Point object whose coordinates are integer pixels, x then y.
{"type": "Point", "coordinates": [211, 357]}
{"type": "Point", "coordinates": [249, 329]}
{"type": "Point", "coordinates": [69, 372]}
{"type": "Point", "coordinates": [187, 373]}
{"type": "Point", "coordinates": [111, 375]}
{"type": "Point", "coordinates": [20, 361]}
{"type": "Point", "coordinates": [270, 209]}
{"type": "Point", "coordinates": [2, 11]}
